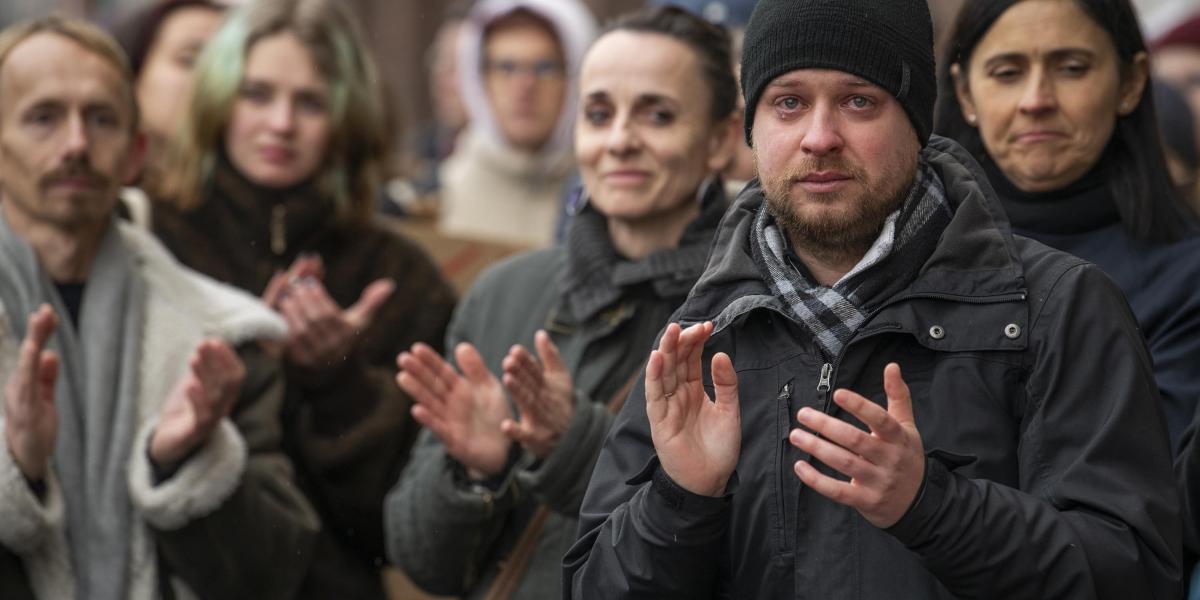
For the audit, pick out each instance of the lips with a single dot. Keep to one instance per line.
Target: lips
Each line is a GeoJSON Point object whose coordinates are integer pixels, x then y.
{"type": "Point", "coordinates": [276, 154]}
{"type": "Point", "coordinates": [626, 177]}
{"type": "Point", "coordinates": [824, 181]}
{"type": "Point", "coordinates": [1038, 135]}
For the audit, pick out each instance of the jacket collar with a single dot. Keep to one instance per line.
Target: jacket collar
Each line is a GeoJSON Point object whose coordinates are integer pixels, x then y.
{"type": "Point", "coordinates": [976, 257]}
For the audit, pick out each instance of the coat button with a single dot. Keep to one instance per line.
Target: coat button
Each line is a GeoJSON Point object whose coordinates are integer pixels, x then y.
{"type": "Point", "coordinates": [936, 332]}
{"type": "Point", "coordinates": [1012, 331]}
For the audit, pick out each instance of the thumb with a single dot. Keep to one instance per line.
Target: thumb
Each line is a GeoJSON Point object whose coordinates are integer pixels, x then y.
{"type": "Point", "coordinates": [548, 352]}
{"type": "Point", "coordinates": [363, 311]}
{"type": "Point", "coordinates": [471, 364]}
{"type": "Point", "coordinates": [725, 381]}
{"type": "Point", "coordinates": [898, 395]}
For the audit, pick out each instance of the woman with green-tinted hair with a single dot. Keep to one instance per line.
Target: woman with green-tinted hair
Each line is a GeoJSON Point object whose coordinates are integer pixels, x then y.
{"type": "Point", "coordinates": [272, 191]}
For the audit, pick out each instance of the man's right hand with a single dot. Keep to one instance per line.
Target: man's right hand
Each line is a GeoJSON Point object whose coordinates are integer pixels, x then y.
{"type": "Point", "coordinates": [463, 412]}
{"type": "Point", "coordinates": [30, 417]}
{"type": "Point", "coordinates": [698, 441]}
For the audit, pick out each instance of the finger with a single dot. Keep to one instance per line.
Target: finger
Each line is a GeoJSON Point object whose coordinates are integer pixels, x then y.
{"type": "Point", "coordinates": [418, 390]}
{"type": "Point", "coordinates": [874, 416]}
{"type": "Point", "coordinates": [548, 351]}
{"type": "Point", "coordinates": [837, 457]}
{"type": "Point", "coordinates": [523, 369]}
{"type": "Point", "coordinates": [274, 291]}
{"type": "Point", "coordinates": [444, 374]}
{"type": "Point", "coordinates": [433, 422]}
{"type": "Point", "coordinates": [843, 434]}
{"type": "Point", "coordinates": [42, 324]}
{"type": "Point", "coordinates": [898, 395]}
{"type": "Point", "coordinates": [519, 393]}
{"type": "Point", "coordinates": [725, 381]}
{"type": "Point", "coordinates": [697, 336]}
{"type": "Point", "coordinates": [362, 313]}
{"type": "Point", "coordinates": [47, 373]}
{"type": "Point", "coordinates": [654, 386]}
{"type": "Point", "coordinates": [472, 364]}
{"type": "Point", "coordinates": [318, 310]}
{"type": "Point", "coordinates": [841, 492]}
{"type": "Point", "coordinates": [516, 431]}
{"type": "Point", "coordinates": [668, 349]}
{"type": "Point", "coordinates": [307, 265]}
{"type": "Point", "coordinates": [420, 373]}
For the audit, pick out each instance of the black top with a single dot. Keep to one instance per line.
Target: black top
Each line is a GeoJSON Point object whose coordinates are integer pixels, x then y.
{"type": "Point", "coordinates": [72, 297]}
{"type": "Point", "coordinates": [1161, 281]}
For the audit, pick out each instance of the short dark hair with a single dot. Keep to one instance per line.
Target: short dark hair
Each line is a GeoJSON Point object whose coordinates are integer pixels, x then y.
{"type": "Point", "coordinates": [1150, 207]}
{"type": "Point", "coordinates": [137, 33]}
{"type": "Point", "coordinates": [710, 42]}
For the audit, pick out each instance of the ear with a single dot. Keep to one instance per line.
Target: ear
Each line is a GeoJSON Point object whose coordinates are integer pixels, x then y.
{"type": "Point", "coordinates": [721, 142]}
{"type": "Point", "coordinates": [963, 92]}
{"type": "Point", "coordinates": [135, 160]}
{"type": "Point", "coordinates": [1133, 84]}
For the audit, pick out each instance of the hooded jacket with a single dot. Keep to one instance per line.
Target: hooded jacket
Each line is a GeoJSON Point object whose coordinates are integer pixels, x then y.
{"type": "Point", "coordinates": [1047, 472]}
{"type": "Point", "coordinates": [490, 189]}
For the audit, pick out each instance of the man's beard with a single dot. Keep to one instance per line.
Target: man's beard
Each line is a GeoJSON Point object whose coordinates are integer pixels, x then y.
{"type": "Point", "coordinates": [836, 226]}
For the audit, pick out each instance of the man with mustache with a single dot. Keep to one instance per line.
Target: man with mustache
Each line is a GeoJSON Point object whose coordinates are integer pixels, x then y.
{"type": "Point", "coordinates": [140, 426]}
{"type": "Point", "coordinates": [878, 391]}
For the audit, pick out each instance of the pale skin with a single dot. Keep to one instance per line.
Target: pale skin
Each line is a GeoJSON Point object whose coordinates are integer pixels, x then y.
{"type": "Point", "coordinates": [805, 117]}
{"type": "Point", "coordinates": [320, 333]}
{"type": "Point", "coordinates": [67, 142]}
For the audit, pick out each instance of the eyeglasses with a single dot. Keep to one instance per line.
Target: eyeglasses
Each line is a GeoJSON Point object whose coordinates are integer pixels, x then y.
{"type": "Point", "coordinates": [541, 70]}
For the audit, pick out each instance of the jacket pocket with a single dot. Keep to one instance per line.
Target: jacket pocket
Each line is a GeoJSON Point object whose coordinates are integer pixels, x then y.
{"type": "Point", "coordinates": [784, 481]}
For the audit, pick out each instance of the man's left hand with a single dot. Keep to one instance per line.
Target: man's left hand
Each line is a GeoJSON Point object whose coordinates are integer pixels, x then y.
{"type": "Point", "coordinates": [886, 466]}
{"type": "Point", "coordinates": [200, 400]}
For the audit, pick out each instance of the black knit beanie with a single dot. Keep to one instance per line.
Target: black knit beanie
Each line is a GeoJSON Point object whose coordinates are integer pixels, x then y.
{"type": "Point", "coordinates": [886, 42]}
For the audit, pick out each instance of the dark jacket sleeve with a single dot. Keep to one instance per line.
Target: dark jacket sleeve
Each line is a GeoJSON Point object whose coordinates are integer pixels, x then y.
{"type": "Point", "coordinates": [561, 479]}
{"type": "Point", "coordinates": [257, 543]}
{"type": "Point", "coordinates": [350, 426]}
{"type": "Point", "coordinates": [1097, 514]}
{"type": "Point", "coordinates": [642, 536]}
{"type": "Point", "coordinates": [440, 527]}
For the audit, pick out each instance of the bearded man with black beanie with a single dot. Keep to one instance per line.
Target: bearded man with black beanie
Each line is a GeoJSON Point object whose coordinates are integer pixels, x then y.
{"type": "Point", "coordinates": [876, 390]}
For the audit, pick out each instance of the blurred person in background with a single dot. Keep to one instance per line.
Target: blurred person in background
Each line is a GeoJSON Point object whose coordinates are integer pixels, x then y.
{"type": "Point", "coordinates": [489, 502]}
{"type": "Point", "coordinates": [435, 140]}
{"type": "Point", "coordinates": [277, 177]}
{"type": "Point", "coordinates": [1177, 124]}
{"type": "Point", "coordinates": [1177, 61]}
{"type": "Point", "coordinates": [1054, 99]}
{"type": "Point", "coordinates": [162, 41]}
{"type": "Point", "coordinates": [518, 66]}
{"type": "Point", "coordinates": [142, 455]}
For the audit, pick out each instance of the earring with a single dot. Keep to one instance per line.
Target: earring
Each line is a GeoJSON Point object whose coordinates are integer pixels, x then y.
{"type": "Point", "coordinates": [971, 118]}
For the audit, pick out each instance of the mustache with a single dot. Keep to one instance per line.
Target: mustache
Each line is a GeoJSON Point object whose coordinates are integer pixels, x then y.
{"type": "Point", "coordinates": [807, 166]}
{"type": "Point", "coordinates": [75, 170]}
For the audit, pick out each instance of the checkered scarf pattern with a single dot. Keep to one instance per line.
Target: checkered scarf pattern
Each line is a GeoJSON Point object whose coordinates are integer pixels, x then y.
{"type": "Point", "coordinates": [834, 314]}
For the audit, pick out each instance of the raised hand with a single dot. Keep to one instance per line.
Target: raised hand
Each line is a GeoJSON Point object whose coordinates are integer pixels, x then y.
{"type": "Point", "coordinates": [544, 394]}
{"type": "Point", "coordinates": [697, 440]}
{"type": "Point", "coordinates": [320, 333]}
{"type": "Point", "coordinates": [203, 397]}
{"type": "Point", "coordinates": [30, 416]}
{"type": "Point", "coordinates": [885, 466]}
{"type": "Point", "coordinates": [463, 411]}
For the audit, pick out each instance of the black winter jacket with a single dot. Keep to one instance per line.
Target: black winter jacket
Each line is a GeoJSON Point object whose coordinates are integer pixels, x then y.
{"type": "Point", "coordinates": [1048, 471]}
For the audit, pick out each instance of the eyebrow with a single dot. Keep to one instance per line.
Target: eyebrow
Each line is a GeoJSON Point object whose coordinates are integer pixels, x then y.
{"type": "Point", "coordinates": [788, 84]}
{"type": "Point", "coordinates": [1055, 54]}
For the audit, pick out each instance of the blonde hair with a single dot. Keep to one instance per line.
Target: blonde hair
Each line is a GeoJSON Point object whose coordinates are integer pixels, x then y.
{"type": "Point", "coordinates": [360, 144]}
{"type": "Point", "coordinates": [91, 38]}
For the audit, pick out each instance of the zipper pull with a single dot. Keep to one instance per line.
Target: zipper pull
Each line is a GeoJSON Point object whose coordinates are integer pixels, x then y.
{"type": "Point", "coordinates": [826, 375]}
{"type": "Point", "coordinates": [279, 229]}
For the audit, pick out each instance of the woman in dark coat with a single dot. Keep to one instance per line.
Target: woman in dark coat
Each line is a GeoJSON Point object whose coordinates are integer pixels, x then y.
{"type": "Point", "coordinates": [1054, 100]}
{"type": "Point", "coordinates": [272, 192]}
{"type": "Point", "coordinates": [489, 503]}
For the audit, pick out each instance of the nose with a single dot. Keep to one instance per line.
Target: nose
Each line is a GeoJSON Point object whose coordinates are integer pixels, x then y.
{"type": "Point", "coordinates": [282, 116]}
{"type": "Point", "coordinates": [76, 142]}
{"type": "Point", "coordinates": [1038, 96]}
{"type": "Point", "coordinates": [822, 136]}
{"type": "Point", "coordinates": [622, 138]}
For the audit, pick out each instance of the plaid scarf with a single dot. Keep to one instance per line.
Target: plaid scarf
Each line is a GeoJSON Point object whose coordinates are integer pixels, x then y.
{"type": "Point", "coordinates": [834, 314]}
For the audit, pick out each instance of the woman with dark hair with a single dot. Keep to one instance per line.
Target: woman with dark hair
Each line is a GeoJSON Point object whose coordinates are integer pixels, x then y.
{"type": "Point", "coordinates": [489, 502]}
{"type": "Point", "coordinates": [272, 191]}
{"type": "Point", "coordinates": [1053, 98]}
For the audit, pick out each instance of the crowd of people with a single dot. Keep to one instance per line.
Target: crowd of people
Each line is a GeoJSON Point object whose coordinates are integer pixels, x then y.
{"type": "Point", "coordinates": [803, 310]}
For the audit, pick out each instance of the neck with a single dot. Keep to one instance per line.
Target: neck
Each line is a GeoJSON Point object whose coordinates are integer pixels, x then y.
{"type": "Point", "coordinates": [827, 264]}
{"type": "Point", "coordinates": [637, 239]}
{"type": "Point", "coordinates": [65, 253]}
